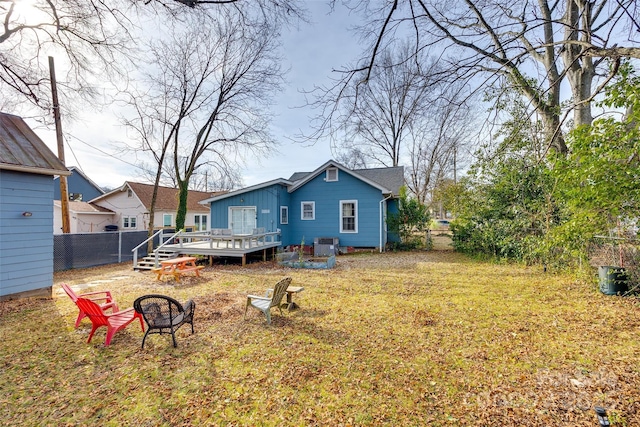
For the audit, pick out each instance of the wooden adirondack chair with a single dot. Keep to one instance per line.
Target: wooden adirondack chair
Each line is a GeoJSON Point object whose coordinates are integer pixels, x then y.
{"type": "Point", "coordinates": [114, 321]}
{"type": "Point", "coordinates": [108, 302]}
{"type": "Point", "coordinates": [272, 298]}
{"type": "Point", "coordinates": [164, 314]}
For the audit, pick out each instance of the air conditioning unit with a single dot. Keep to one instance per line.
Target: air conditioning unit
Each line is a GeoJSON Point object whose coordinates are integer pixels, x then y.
{"type": "Point", "coordinates": [325, 246]}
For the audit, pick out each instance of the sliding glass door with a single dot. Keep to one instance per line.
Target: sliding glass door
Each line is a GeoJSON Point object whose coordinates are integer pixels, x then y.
{"type": "Point", "coordinates": [242, 220]}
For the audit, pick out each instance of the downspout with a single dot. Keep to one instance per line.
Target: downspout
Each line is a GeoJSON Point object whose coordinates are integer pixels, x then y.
{"type": "Point", "coordinates": [382, 220]}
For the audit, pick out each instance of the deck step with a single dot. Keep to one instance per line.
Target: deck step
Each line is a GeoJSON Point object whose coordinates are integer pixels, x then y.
{"type": "Point", "coordinates": [149, 262]}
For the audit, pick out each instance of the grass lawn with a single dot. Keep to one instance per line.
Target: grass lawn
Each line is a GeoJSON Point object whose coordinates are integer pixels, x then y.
{"type": "Point", "coordinates": [398, 339]}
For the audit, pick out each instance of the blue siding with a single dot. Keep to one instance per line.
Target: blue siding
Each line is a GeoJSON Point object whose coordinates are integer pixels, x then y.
{"type": "Point", "coordinates": [26, 243]}
{"type": "Point", "coordinates": [76, 183]}
{"type": "Point", "coordinates": [327, 197]}
{"type": "Point", "coordinates": [267, 202]}
{"type": "Point", "coordinates": [392, 209]}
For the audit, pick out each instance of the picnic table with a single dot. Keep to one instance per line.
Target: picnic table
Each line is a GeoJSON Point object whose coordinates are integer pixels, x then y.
{"type": "Point", "coordinates": [176, 267]}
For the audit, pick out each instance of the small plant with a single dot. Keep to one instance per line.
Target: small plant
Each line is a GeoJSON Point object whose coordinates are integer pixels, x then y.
{"type": "Point", "coordinates": [410, 222]}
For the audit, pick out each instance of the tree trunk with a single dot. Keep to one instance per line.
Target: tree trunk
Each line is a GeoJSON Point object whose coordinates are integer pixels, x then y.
{"type": "Point", "coordinates": [183, 193]}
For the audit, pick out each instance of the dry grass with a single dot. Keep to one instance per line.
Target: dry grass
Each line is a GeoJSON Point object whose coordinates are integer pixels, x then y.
{"type": "Point", "coordinates": [396, 339]}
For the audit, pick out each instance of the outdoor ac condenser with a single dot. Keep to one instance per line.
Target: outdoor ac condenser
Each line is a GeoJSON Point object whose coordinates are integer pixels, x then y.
{"type": "Point", "coordinates": [325, 246]}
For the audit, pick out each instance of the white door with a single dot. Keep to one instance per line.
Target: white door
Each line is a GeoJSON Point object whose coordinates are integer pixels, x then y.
{"type": "Point", "coordinates": [242, 220]}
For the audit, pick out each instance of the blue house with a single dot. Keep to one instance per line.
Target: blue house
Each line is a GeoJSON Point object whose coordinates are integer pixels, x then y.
{"type": "Point", "coordinates": [26, 210]}
{"type": "Point", "coordinates": [330, 202]}
{"type": "Point", "coordinates": [79, 187]}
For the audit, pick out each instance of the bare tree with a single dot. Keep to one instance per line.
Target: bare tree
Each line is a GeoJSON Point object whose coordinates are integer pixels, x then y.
{"type": "Point", "coordinates": [208, 96]}
{"type": "Point", "coordinates": [94, 40]}
{"type": "Point", "coordinates": [520, 44]}
{"type": "Point", "coordinates": [86, 36]}
{"type": "Point", "coordinates": [376, 116]}
{"type": "Point", "coordinates": [367, 121]}
{"type": "Point", "coordinates": [438, 147]}
{"type": "Point", "coordinates": [405, 113]}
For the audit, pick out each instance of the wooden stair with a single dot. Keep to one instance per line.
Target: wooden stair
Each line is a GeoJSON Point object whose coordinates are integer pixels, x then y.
{"type": "Point", "coordinates": [148, 262]}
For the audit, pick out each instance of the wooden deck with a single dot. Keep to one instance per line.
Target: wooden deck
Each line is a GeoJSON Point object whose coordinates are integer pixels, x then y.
{"type": "Point", "coordinates": [210, 244]}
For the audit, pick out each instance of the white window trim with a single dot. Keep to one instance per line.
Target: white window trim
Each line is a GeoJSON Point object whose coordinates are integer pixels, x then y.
{"type": "Point", "coordinates": [204, 227]}
{"type": "Point", "coordinates": [230, 216]}
{"type": "Point", "coordinates": [170, 216]}
{"type": "Point", "coordinates": [284, 209]}
{"type": "Point", "coordinates": [313, 211]}
{"type": "Point", "coordinates": [327, 176]}
{"type": "Point", "coordinates": [355, 205]}
{"type": "Point", "coordinates": [129, 218]}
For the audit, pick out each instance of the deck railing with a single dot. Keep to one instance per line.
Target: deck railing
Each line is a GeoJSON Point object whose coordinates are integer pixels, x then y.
{"type": "Point", "coordinates": [222, 238]}
{"type": "Point", "coordinates": [162, 243]}
{"type": "Point", "coordinates": [216, 238]}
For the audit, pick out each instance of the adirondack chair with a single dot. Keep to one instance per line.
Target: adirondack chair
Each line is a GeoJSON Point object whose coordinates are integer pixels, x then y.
{"type": "Point", "coordinates": [164, 314]}
{"type": "Point", "coordinates": [114, 321]}
{"type": "Point", "coordinates": [272, 298]}
{"type": "Point", "coordinates": [97, 296]}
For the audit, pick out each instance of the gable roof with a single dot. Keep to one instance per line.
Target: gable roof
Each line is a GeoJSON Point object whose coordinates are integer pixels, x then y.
{"type": "Point", "coordinates": [77, 170]}
{"type": "Point", "coordinates": [387, 180]}
{"type": "Point", "coordinates": [392, 178]}
{"type": "Point", "coordinates": [22, 150]}
{"type": "Point", "coordinates": [246, 190]}
{"type": "Point", "coordinates": [167, 198]}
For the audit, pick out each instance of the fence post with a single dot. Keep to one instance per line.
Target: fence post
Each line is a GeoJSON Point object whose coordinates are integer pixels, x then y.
{"type": "Point", "coordinates": [119, 246]}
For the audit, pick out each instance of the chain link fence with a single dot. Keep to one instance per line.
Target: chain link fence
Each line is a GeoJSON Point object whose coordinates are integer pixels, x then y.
{"type": "Point", "coordinates": [93, 249]}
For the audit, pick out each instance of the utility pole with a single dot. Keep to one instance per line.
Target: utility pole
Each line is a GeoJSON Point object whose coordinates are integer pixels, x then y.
{"type": "Point", "coordinates": [64, 193]}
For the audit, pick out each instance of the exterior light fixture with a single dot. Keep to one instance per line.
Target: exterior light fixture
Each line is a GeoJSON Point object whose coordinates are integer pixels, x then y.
{"type": "Point", "coordinates": [27, 214]}
{"type": "Point", "coordinates": [601, 413]}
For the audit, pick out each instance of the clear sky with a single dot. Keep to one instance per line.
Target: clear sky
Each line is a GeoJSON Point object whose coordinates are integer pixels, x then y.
{"type": "Point", "coordinates": [311, 52]}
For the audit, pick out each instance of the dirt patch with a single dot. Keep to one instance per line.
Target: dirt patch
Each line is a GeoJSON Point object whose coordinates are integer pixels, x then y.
{"type": "Point", "coordinates": [219, 307]}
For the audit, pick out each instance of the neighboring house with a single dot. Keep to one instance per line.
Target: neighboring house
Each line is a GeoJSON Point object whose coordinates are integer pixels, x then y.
{"type": "Point", "coordinates": [332, 201]}
{"type": "Point", "coordinates": [132, 203]}
{"type": "Point", "coordinates": [26, 217]}
{"type": "Point", "coordinates": [83, 217]}
{"type": "Point", "coordinates": [79, 187]}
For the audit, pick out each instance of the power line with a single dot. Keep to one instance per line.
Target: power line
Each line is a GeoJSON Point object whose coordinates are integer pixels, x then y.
{"type": "Point", "coordinates": [105, 153]}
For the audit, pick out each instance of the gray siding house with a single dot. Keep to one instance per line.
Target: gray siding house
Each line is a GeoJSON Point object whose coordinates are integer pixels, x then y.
{"type": "Point", "coordinates": [26, 210]}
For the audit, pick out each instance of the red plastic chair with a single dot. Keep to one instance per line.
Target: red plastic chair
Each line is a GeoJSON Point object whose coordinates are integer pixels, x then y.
{"type": "Point", "coordinates": [109, 302]}
{"type": "Point", "coordinates": [114, 321]}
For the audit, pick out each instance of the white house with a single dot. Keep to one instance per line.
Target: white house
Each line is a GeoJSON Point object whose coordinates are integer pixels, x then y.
{"type": "Point", "coordinates": [83, 217]}
{"type": "Point", "coordinates": [131, 204]}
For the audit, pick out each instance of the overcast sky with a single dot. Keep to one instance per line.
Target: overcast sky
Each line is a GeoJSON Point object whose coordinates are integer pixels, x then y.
{"type": "Point", "coordinates": [311, 52]}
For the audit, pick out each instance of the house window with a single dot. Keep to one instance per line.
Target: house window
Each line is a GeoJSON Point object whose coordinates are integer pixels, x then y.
{"type": "Point", "coordinates": [348, 216]}
{"type": "Point", "coordinates": [332, 174]}
{"type": "Point", "coordinates": [284, 214]}
{"type": "Point", "coordinates": [167, 220]}
{"type": "Point", "coordinates": [308, 210]}
{"type": "Point", "coordinates": [75, 197]}
{"type": "Point", "coordinates": [129, 222]}
{"type": "Point", "coordinates": [200, 222]}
